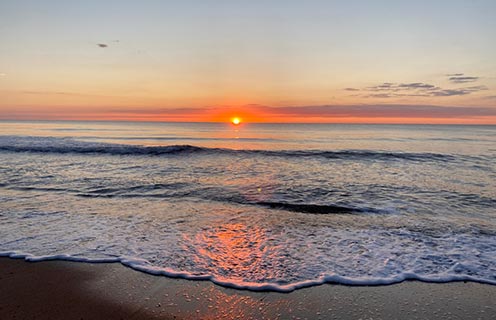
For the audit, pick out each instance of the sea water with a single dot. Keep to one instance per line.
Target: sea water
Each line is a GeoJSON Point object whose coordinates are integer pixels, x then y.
{"type": "Point", "coordinates": [254, 206]}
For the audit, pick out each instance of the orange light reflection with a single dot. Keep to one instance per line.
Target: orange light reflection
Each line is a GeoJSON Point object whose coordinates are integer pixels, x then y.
{"type": "Point", "coordinates": [236, 250]}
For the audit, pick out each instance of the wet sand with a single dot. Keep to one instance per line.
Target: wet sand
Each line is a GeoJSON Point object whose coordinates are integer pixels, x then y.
{"type": "Point", "coordinates": [69, 290]}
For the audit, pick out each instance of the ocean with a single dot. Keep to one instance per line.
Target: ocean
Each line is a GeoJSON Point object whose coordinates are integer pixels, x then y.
{"type": "Point", "coordinates": [254, 206]}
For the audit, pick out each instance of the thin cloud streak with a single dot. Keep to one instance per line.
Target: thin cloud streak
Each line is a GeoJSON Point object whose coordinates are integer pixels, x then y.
{"type": "Point", "coordinates": [333, 111]}
{"type": "Point", "coordinates": [60, 93]}
{"type": "Point", "coordinates": [370, 113]}
{"type": "Point", "coordinates": [386, 111]}
{"type": "Point", "coordinates": [459, 79]}
{"type": "Point", "coordinates": [420, 89]}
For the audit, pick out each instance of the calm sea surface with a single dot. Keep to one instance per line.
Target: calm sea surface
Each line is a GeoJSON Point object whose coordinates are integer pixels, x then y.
{"type": "Point", "coordinates": [257, 206]}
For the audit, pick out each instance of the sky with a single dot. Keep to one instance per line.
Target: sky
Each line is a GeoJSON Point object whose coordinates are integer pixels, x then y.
{"type": "Point", "coordinates": [264, 61]}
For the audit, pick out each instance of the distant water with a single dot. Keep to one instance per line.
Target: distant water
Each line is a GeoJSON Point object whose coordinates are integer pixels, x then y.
{"type": "Point", "coordinates": [257, 206]}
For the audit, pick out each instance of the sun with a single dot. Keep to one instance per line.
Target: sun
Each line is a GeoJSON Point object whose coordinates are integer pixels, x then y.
{"type": "Point", "coordinates": [235, 121]}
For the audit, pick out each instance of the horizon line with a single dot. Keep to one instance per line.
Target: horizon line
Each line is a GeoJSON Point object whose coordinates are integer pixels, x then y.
{"type": "Point", "coordinates": [250, 122]}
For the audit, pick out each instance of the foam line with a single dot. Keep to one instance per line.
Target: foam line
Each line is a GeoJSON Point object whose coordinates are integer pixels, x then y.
{"type": "Point", "coordinates": [143, 266]}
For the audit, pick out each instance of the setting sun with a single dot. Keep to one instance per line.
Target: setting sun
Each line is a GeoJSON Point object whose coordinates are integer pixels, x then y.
{"type": "Point", "coordinates": [236, 121]}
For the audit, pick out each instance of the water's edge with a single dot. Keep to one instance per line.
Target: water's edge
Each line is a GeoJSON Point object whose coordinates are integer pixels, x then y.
{"type": "Point", "coordinates": [143, 266]}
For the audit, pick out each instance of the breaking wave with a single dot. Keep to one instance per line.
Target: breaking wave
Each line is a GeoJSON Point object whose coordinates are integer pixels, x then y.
{"type": "Point", "coordinates": [67, 146]}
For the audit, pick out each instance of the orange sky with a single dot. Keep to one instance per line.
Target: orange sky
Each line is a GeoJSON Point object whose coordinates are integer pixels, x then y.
{"type": "Point", "coordinates": [302, 62]}
{"type": "Point", "coordinates": [256, 113]}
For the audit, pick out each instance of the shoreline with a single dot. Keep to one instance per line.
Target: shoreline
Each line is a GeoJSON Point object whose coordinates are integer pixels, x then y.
{"type": "Point", "coordinates": [75, 290]}
{"type": "Point", "coordinates": [135, 264]}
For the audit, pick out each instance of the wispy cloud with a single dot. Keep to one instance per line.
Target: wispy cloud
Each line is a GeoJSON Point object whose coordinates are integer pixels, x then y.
{"type": "Point", "coordinates": [60, 93]}
{"type": "Point", "coordinates": [57, 93]}
{"type": "Point", "coordinates": [395, 87]}
{"type": "Point", "coordinates": [380, 95]}
{"type": "Point", "coordinates": [166, 111]}
{"type": "Point", "coordinates": [417, 85]}
{"type": "Point", "coordinates": [420, 89]}
{"type": "Point", "coordinates": [463, 79]}
{"type": "Point", "coordinates": [458, 92]}
{"type": "Point", "coordinates": [331, 111]}
{"type": "Point", "coordinates": [385, 111]}
{"type": "Point", "coordinates": [382, 113]}
{"type": "Point", "coordinates": [417, 89]}
{"type": "Point", "coordinates": [102, 45]}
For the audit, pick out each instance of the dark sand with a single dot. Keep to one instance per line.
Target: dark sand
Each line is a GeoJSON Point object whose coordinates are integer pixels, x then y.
{"type": "Point", "coordinates": [69, 290]}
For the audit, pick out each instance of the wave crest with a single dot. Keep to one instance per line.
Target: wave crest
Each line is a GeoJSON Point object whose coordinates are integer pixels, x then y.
{"type": "Point", "coordinates": [67, 145]}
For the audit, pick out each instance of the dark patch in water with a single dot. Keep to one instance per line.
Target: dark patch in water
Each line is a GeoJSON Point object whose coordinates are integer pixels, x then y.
{"type": "Point", "coordinates": [313, 208]}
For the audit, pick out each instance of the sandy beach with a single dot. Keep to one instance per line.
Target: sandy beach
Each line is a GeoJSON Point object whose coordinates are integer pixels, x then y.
{"type": "Point", "coordinates": [69, 290]}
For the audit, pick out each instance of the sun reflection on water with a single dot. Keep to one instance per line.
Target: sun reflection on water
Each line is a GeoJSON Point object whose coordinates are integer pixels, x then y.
{"type": "Point", "coordinates": [234, 249]}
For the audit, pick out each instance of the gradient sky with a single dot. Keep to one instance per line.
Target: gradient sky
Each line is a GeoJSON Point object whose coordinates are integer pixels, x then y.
{"type": "Point", "coordinates": [273, 61]}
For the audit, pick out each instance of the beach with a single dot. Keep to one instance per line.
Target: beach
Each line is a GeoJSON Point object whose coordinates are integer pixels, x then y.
{"type": "Point", "coordinates": [247, 160]}
{"type": "Point", "coordinates": [71, 290]}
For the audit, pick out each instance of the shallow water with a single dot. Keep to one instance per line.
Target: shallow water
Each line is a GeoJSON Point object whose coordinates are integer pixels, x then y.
{"type": "Point", "coordinates": [257, 206]}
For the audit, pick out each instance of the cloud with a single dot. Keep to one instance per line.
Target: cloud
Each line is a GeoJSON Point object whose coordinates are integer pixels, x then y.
{"type": "Point", "coordinates": [394, 87]}
{"type": "Point", "coordinates": [2, 74]}
{"type": "Point", "coordinates": [382, 87]}
{"type": "Point", "coordinates": [380, 113]}
{"type": "Point", "coordinates": [416, 85]}
{"type": "Point", "coordinates": [459, 79]}
{"type": "Point", "coordinates": [384, 111]}
{"type": "Point", "coordinates": [102, 45]}
{"type": "Point", "coordinates": [351, 89]}
{"type": "Point", "coordinates": [380, 95]}
{"type": "Point", "coordinates": [420, 89]}
{"type": "Point", "coordinates": [47, 92]}
{"type": "Point", "coordinates": [327, 111]}
{"type": "Point", "coordinates": [58, 93]}
{"type": "Point", "coordinates": [454, 74]}
{"type": "Point", "coordinates": [458, 92]}
{"type": "Point", "coordinates": [450, 92]}
{"type": "Point", "coordinates": [165, 111]}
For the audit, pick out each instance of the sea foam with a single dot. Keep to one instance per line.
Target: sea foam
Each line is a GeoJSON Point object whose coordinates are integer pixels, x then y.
{"type": "Point", "coordinates": [144, 266]}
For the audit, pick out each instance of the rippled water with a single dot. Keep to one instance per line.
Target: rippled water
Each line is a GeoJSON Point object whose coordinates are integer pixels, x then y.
{"type": "Point", "coordinates": [258, 206]}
